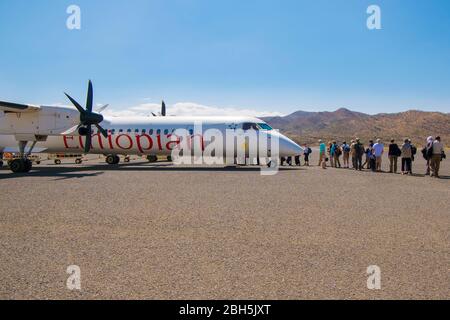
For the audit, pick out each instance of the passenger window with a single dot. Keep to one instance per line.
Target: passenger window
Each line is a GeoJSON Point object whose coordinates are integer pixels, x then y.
{"type": "Point", "coordinates": [158, 131]}
{"type": "Point", "coordinates": [166, 132]}
{"type": "Point", "coordinates": [249, 126]}
{"type": "Point", "coordinates": [144, 131]}
{"type": "Point", "coordinates": [151, 131]}
{"type": "Point", "coordinates": [120, 130]}
{"type": "Point", "coordinates": [129, 130]}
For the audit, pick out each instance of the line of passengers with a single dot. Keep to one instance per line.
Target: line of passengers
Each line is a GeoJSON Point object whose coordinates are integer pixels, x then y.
{"type": "Point", "coordinates": [355, 152]}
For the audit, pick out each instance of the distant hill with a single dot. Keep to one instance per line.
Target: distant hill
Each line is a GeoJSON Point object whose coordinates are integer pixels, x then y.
{"type": "Point", "coordinates": [343, 124]}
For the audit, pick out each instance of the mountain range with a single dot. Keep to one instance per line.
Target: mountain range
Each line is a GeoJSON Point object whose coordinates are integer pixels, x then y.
{"type": "Point", "coordinates": [344, 125]}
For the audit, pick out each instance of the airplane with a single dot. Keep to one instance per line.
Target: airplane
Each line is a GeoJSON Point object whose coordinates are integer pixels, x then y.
{"type": "Point", "coordinates": [30, 128]}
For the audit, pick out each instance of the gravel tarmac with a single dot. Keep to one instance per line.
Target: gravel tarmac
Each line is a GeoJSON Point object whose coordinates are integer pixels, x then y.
{"type": "Point", "coordinates": [158, 231]}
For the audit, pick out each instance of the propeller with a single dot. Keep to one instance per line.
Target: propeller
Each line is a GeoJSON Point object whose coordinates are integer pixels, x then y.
{"type": "Point", "coordinates": [163, 112]}
{"type": "Point", "coordinates": [101, 109]}
{"type": "Point", "coordinates": [88, 118]}
{"type": "Point", "coordinates": [163, 109]}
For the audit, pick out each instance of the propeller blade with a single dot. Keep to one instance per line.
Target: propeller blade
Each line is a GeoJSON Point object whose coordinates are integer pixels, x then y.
{"type": "Point", "coordinates": [163, 109]}
{"type": "Point", "coordinates": [103, 131]}
{"type": "Point", "coordinates": [90, 97]}
{"type": "Point", "coordinates": [76, 104]}
{"type": "Point", "coordinates": [88, 141]}
{"type": "Point", "coordinates": [101, 109]}
{"type": "Point", "coordinates": [71, 130]}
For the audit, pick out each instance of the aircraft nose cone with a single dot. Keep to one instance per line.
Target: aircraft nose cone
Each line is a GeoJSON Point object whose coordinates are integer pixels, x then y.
{"type": "Point", "coordinates": [289, 147]}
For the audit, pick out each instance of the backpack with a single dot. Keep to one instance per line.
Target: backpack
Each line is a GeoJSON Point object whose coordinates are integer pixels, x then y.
{"type": "Point", "coordinates": [347, 148]}
{"type": "Point", "coordinates": [424, 153]}
{"type": "Point", "coordinates": [429, 151]}
{"type": "Point", "coordinates": [413, 150]}
{"type": "Point", "coordinates": [398, 152]}
{"type": "Point", "coordinates": [337, 151]}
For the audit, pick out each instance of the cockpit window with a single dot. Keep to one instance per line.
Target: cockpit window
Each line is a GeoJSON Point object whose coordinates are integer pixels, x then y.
{"type": "Point", "coordinates": [249, 126]}
{"type": "Point", "coordinates": [264, 126]}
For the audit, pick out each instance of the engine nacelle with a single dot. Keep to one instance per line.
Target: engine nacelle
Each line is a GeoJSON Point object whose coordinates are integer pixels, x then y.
{"type": "Point", "coordinates": [47, 121]}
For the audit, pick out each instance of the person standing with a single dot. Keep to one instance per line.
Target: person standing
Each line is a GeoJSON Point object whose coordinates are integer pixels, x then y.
{"type": "Point", "coordinates": [322, 149]}
{"type": "Point", "coordinates": [346, 154]}
{"type": "Point", "coordinates": [306, 152]}
{"type": "Point", "coordinates": [289, 161]}
{"type": "Point", "coordinates": [353, 153]}
{"type": "Point", "coordinates": [368, 152]}
{"type": "Point", "coordinates": [427, 153]}
{"type": "Point", "coordinates": [406, 157]}
{"type": "Point", "coordinates": [359, 151]}
{"type": "Point", "coordinates": [330, 152]}
{"type": "Point", "coordinates": [378, 151]}
{"type": "Point", "coordinates": [438, 150]}
{"type": "Point", "coordinates": [393, 154]}
{"type": "Point", "coordinates": [337, 154]}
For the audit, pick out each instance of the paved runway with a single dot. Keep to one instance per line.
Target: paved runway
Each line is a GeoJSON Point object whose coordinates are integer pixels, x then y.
{"type": "Point", "coordinates": [163, 232]}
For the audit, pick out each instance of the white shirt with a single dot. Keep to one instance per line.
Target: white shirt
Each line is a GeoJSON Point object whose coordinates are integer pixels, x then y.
{"type": "Point", "coordinates": [438, 147]}
{"type": "Point", "coordinates": [378, 149]}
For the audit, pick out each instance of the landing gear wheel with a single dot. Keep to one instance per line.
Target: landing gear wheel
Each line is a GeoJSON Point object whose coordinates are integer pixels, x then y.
{"type": "Point", "coordinates": [112, 159]}
{"type": "Point", "coordinates": [78, 161]}
{"type": "Point", "coordinates": [152, 158]}
{"type": "Point", "coordinates": [17, 166]}
{"type": "Point", "coordinates": [57, 161]}
{"type": "Point", "coordinates": [20, 165]}
{"type": "Point", "coordinates": [38, 162]}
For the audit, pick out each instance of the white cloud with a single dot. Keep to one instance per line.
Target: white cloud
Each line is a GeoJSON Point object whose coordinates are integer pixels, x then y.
{"type": "Point", "coordinates": [187, 109]}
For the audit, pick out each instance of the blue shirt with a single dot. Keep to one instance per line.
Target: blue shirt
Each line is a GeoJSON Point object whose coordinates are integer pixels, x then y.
{"type": "Point", "coordinates": [333, 149]}
{"type": "Point", "coordinates": [322, 147]}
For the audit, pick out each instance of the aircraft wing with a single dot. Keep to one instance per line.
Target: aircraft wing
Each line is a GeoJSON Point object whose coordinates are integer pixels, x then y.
{"type": "Point", "coordinates": [18, 108]}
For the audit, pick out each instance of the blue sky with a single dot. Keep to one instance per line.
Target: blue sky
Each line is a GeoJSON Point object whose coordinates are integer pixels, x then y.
{"type": "Point", "coordinates": [277, 56]}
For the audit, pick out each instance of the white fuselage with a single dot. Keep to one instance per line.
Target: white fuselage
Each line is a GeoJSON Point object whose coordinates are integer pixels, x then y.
{"type": "Point", "coordinates": [126, 135]}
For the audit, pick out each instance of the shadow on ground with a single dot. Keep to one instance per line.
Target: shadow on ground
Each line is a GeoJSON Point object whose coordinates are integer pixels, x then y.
{"type": "Point", "coordinates": [70, 172]}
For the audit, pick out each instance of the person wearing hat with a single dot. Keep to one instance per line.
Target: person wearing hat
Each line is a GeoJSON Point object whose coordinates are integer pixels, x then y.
{"type": "Point", "coordinates": [359, 151]}
{"type": "Point", "coordinates": [436, 158]}
{"type": "Point", "coordinates": [353, 153]}
{"type": "Point", "coordinates": [378, 150]}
